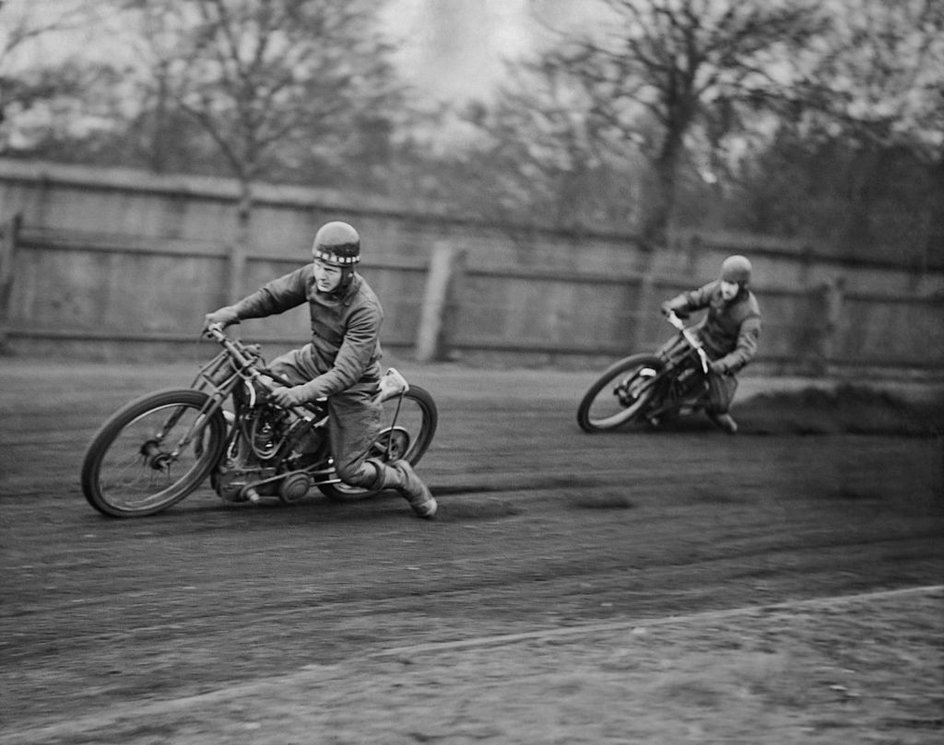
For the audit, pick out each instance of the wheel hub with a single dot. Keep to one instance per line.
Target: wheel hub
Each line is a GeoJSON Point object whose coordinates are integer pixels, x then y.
{"type": "Point", "coordinates": [392, 443]}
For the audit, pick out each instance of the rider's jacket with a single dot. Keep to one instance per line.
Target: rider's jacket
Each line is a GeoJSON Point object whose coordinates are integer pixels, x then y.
{"type": "Point", "coordinates": [345, 328]}
{"type": "Point", "coordinates": [729, 330]}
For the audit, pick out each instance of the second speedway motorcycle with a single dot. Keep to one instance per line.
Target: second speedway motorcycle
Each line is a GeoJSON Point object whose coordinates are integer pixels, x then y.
{"type": "Point", "coordinates": [648, 388]}
{"type": "Point", "coordinates": [158, 449]}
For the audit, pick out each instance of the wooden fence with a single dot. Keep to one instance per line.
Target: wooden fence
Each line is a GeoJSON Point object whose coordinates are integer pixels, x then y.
{"type": "Point", "coordinates": [88, 298]}
{"type": "Point", "coordinates": [78, 282]}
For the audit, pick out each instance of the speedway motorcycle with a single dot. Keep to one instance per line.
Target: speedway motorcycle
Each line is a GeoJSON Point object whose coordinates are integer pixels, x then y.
{"type": "Point", "coordinates": [649, 388]}
{"type": "Point", "coordinates": [158, 449]}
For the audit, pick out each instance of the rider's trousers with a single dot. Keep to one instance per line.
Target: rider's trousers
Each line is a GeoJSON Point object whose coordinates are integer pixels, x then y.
{"type": "Point", "coordinates": [354, 419]}
{"type": "Point", "coordinates": [721, 389]}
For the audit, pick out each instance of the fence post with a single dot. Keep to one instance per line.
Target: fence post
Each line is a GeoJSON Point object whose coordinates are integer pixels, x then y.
{"type": "Point", "coordinates": [835, 298]}
{"type": "Point", "coordinates": [9, 233]}
{"type": "Point", "coordinates": [443, 268]}
{"type": "Point", "coordinates": [816, 334]}
{"type": "Point", "coordinates": [644, 309]}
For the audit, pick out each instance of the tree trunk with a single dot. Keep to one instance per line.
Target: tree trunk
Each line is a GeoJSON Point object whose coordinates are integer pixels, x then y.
{"type": "Point", "coordinates": [239, 250]}
{"type": "Point", "coordinates": [661, 204]}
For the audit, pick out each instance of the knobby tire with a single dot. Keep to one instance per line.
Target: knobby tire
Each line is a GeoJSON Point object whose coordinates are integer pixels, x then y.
{"type": "Point", "coordinates": [115, 467]}
{"type": "Point", "coordinates": [602, 392]}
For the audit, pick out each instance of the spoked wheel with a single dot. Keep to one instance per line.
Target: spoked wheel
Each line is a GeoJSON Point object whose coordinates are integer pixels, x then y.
{"type": "Point", "coordinates": [406, 437]}
{"type": "Point", "coordinates": [139, 464]}
{"type": "Point", "coordinates": [622, 394]}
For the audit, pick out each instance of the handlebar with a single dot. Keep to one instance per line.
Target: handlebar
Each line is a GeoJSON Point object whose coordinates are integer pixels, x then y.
{"type": "Point", "coordinates": [215, 331]}
{"type": "Point", "coordinates": [244, 356]}
{"type": "Point", "coordinates": [240, 351]}
{"type": "Point", "coordinates": [675, 320]}
{"type": "Point", "coordinates": [691, 338]}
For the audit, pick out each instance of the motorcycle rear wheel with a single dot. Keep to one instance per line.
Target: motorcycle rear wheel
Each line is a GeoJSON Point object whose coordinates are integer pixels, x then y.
{"type": "Point", "coordinates": [622, 394]}
{"type": "Point", "coordinates": [131, 468]}
{"type": "Point", "coordinates": [406, 439]}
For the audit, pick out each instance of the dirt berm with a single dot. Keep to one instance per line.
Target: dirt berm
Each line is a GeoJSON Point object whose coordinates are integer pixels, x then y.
{"type": "Point", "coordinates": [835, 408]}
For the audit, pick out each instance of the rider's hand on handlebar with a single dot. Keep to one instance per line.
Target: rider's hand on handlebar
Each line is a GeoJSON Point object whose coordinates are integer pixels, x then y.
{"type": "Point", "coordinates": [288, 396]}
{"type": "Point", "coordinates": [668, 310]}
{"type": "Point", "coordinates": [717, 367]}
{"type": "Point", "coordinates": [222, 317]}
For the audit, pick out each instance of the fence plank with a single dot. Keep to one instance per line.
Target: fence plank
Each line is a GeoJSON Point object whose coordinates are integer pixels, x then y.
{"type": "Point", "coordinates": [8, 242]}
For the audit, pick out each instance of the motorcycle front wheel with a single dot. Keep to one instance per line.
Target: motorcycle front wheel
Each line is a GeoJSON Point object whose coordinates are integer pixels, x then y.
{"type": "Point", "coordinates": [622, 394]}
{"type": "Point", "coordinates": [139, 463]}
{"type": "Point", "coordinates": [407, 429]}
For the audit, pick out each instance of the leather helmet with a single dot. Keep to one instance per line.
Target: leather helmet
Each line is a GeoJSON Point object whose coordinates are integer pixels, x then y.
{"type": "Point", "coordinates": [736, 269]}
{"type": "Point", "coordinates": [337, 243]}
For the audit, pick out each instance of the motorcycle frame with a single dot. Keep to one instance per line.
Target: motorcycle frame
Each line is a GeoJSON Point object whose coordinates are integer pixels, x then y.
{"type": "Point", "coordinates": [239, 364]}
{"type": "Point", "coordinates": [675, 356]}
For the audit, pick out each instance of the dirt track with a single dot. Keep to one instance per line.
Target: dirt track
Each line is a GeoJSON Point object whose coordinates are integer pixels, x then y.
{"type": "Point", "coordinates": [541, 528]}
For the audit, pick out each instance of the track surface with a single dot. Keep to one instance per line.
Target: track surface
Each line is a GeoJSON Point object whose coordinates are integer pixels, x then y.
{"type": "Point", "coordinates": [540, 527]}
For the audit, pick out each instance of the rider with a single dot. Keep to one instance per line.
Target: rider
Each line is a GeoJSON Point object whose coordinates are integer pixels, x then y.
{"type": "Point", "coordinates": [342, 361]}
{"type": "Point", "coordinates": [729, 331]}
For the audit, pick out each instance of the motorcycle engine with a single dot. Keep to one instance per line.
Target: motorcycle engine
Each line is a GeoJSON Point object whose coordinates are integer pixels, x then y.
{"type": "Point", "coordinates": [230, 482]}
{"type": "Point", "coordinates": [690, 383]}
{"type": "Point", "coordinates": [266, 427]}
{"type": "Point", "coordinates": [261, 451]}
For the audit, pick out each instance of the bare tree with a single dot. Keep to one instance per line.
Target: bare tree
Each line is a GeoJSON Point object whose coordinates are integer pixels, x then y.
{"type": "Point", "coordinates": [881, 78]}
{"type": "Point", "coordinates": [537, 156]}
{"type": "Point", "coordinates": [653, 77]}
{"type": "Point", "coordinates": [664, 67]}
{"type": "Point", "coordinates": [28, 81]}
{"type": "Point", "coordinates": [881, 75]}
{"type": "Point", "coordinates": [267, 78]}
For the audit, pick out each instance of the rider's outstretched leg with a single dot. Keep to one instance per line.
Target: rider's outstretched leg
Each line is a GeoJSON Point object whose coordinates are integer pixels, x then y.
{"type": "Point", "coordinates": [721, 389]}
{"type": "Point", "coordinates": [724, 421]}
{"type": "Point", "coordinates": [354, 424]}
{"type": "Point", "coordinates": [400, 475]}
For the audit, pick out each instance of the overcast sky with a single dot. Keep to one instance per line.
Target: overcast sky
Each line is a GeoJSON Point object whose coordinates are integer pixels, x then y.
{"type": "Point", "coordinates": [453, 49]}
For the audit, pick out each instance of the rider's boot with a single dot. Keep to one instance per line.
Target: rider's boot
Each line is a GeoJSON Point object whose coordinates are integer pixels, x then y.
{"type": "Point", "coordinates": [724, 421]}
{"type": "Point", "coordinates": [400, 475]}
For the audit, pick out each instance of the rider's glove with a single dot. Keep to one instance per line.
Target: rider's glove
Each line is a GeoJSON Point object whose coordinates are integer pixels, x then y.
{"type": "Point", "coordinates": [717, 367]}
{"type": "Point", "coordinates": [667, 308]}
{"type": "Point", "coordinates": [225, 316]}
{"type": "Point", "coordinates": [289, 396]}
